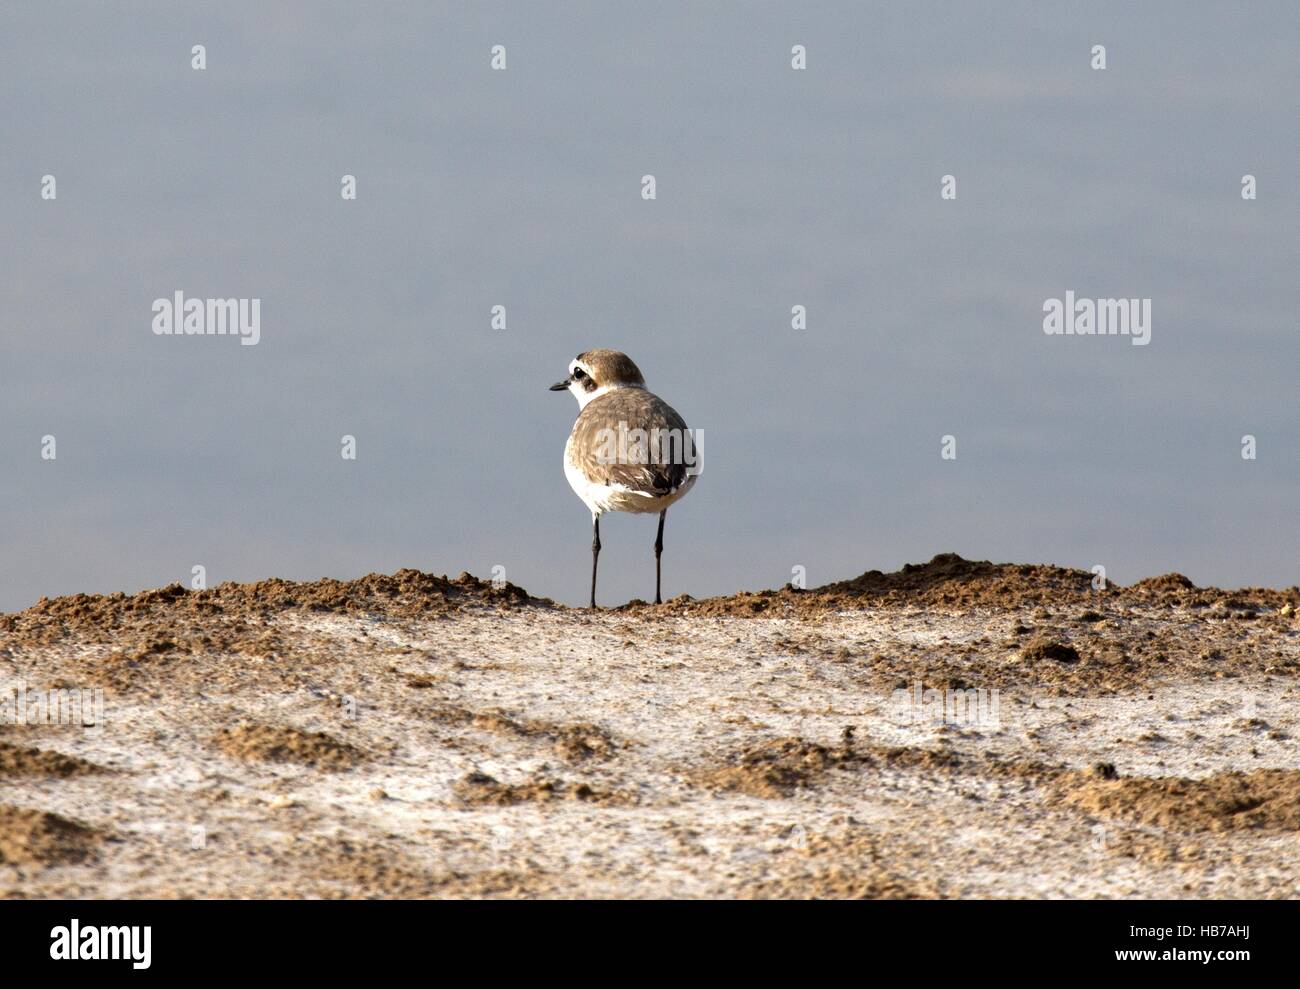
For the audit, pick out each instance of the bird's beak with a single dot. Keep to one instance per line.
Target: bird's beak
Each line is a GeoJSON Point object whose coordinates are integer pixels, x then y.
{"type": "Point", "coordinates": [562, 385]}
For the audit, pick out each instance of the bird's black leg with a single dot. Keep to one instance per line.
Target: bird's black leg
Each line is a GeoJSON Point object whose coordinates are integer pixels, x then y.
{"type": "Point", "coordinates": [659, 549]}
{"type": "Point", "coordinates": [595, 553]}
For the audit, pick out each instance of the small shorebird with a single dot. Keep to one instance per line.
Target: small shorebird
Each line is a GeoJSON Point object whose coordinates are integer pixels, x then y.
{"type": "Point", "coordinates": [629, 450]}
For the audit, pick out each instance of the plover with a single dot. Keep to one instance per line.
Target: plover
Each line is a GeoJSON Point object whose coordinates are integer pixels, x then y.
{"type": "Point", "coordinates": [629, 450]}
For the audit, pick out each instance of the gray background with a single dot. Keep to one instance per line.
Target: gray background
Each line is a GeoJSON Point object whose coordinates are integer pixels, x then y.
{"type": "Point", "coordinates": [522, 188]}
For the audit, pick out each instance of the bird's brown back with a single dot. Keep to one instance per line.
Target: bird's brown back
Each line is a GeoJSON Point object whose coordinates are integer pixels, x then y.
{"type": "Point", "coordinates": [590, 446]}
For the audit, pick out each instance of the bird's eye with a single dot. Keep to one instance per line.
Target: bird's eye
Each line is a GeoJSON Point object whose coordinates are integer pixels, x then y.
{"type": "Point", "coordinates": [579, 373]}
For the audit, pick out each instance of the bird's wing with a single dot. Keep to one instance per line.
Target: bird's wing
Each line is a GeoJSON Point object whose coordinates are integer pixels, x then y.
{"type": "Point", "coordinates": [633, 440]}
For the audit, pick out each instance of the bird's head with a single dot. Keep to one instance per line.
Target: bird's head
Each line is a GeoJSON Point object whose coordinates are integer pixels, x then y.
{"type": "Point", "coordinates": [595, 372]}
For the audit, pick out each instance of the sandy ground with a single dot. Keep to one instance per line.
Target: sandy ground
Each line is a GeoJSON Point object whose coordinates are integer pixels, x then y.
{"type": "Point", "coordinates": [413, 736]}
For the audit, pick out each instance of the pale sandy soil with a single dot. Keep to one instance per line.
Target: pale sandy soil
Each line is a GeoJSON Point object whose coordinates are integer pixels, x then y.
{"type": "Point", "coordinates": [536, 751]}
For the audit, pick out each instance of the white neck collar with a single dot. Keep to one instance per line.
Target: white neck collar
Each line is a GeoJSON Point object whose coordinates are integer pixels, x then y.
{"type": "Point", "coordinates": [585, 398]}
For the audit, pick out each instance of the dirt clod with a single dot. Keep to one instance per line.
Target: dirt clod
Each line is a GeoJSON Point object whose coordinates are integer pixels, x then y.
{"type": "Point", "coordinates": [20, 760]}
{"type": "Point", "coordinates": [278, 743]}
{"type": "Point", "coordinates": [1266, 799]}
{"type": "Point", "coordinates": [1060, 652]}
{"type": "Point", "coordinates": [480, 788]}
{"type": "Point", "coordinates": [33, 837]}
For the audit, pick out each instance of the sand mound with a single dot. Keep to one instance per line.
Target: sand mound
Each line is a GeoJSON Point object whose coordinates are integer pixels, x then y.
{"type": "Point", "coordinates": [865, 881]}
{"type": "Point", "coordinates": [777, 768]}
{"type": "Point", "coordinates": [571, 741]}
{"type": "Point", "coordinates": [33, 837]}
{"type": "Point", "coordinates": [482, 789]}
{"type": "Point", "coordinates": [349, 868]}
{"type": "Point", "coordinates": [950, 582]}
{"type": "Point", "coordinates": [575, 741]}
{"type": "Point", "coordinates": [340, 869]}
{"type": "Point", "coordinates": [1265, 798]}
{"type": "Point", "coordinates": [1173, 590]}
{"type": "Point", "coordinates": [1049, 649]}
{"type": "Point", "coordinates": [947, 581]}
{"type": "Point", "coordinates": [18, 760]}
{"type": "Point", "coordinates": [157, 624]}
{"type": "Point", "coordinates": [849, 863]}
{"type": "Point", "coordinates": [534, 751]}
{"type": "Point", "coordinates": [1165, 583]}
{"type": "Point", "coordinates": [276, 743]}
{"type": "Point", "coordinates": [182, 620]}
{"type": "Point", "coordinates": [157, 632]}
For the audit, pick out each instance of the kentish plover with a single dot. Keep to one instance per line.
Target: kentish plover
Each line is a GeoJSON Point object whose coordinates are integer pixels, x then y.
{"type": "Point", "coordinates": [629, 450]}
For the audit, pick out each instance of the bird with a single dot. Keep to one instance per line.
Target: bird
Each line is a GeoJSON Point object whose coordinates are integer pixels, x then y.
{"type": "Point", "coordinates": [629, 450]}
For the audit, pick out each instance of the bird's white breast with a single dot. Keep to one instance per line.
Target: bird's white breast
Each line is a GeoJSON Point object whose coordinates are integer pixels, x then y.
{"type": "Point", "coordinates": [601, 498]}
